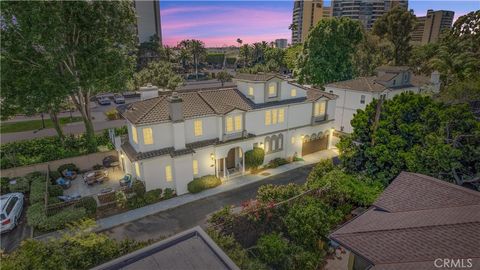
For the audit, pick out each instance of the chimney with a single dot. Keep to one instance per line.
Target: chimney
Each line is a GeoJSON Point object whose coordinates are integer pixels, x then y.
{"type": "Point", "coordinates": [148, 91]}
{"type": "Point", "coordinates": [175, 107]}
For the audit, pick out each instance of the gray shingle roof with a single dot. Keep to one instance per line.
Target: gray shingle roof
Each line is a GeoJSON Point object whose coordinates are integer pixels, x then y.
{"type": "Point", "coordinates": [373, 83]}
{"type": "Point", "coordinates": [416, 220]}
{"type": "Point", "coordinates": [259, 77]}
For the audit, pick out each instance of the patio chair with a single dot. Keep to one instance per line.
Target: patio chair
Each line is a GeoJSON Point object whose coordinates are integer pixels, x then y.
{"type": "Point", "coordinates": [64, 183]}
{"type": "Point", "coordinates": [70, 175]}
{"type": "Point", "coordinates": [126, 180]}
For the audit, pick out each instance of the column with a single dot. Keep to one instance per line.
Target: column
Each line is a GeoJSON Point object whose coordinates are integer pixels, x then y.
{"type": "Point", "coordinates": [243, 163]}
{"type": "Point", "coordinates": [225, 168]}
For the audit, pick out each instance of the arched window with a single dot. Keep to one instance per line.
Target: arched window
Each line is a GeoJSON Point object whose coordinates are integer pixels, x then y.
{"type": "Point", "coordinates": [274, 143]}
{"type": "Point", "coordinates": [320, 135]}
{"type": "Point", "coordinates": [267, 144]}
{"type": "Point", "coordinates": [280, 141]}
{"type": "Point", "coordinates": [306, 138]}
{"type": "Point", "coordinates": [313, 136]}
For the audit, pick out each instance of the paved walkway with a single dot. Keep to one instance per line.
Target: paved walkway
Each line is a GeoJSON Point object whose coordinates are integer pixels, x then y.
{"type": "Point", "coordinates": [235, 183]}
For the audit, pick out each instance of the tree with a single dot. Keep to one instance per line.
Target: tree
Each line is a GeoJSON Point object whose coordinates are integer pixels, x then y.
{"type": "Point", "coordinates": [239, 41]}
{"type": "Point", "coordinates": [159, 74]}
{"type": "Point", "coordinates": [223, 77]}
{"type": "Point", "coordinates": [196, 48]}
{"type": "Point", "coordinates": [461, 92]}
{"type": "Point", "coordinates": [184, 57]}
{"type": "Point", "coordinates": [275, 57]}
{"type": "Point", "coordinates": [327, 52]}
{"type": "Point", "coordinates": [245, 53]}
{"type": "Point", "coordinates": [370, 53]}
{"type": "Point", "coordinates": [91, 44]}
{"type": "Point", "coordinates": [417, 134]}
{"type": "Point", "coordinates": [421, 57]}
{"type": "Point", "coordinates": [396, 26]}
{"type": "Point", "coordinates": [291, 56]}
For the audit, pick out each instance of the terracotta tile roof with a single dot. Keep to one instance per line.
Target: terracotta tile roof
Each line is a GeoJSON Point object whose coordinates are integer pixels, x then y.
{"type": "Point", "coordinates": [259, 77]}
{"type": "Point", "coordinates": [416, 220]}
{"type": "Point", "coordinates": [225, 100]}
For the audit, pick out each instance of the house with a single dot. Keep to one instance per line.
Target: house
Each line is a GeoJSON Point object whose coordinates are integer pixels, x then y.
{"type": "Point", "coordinates": [191, 249]}
{"type": "Point", "coordinates": [390, 81]}
{"type": "Point", "coordinates": [419, 222]}
{"type": "Point", "coordinates": [176, 137]}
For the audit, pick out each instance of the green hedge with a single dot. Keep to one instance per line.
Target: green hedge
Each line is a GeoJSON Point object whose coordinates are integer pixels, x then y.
{"type": "Point", "coordinates": [274, 163]}
{"type": "Point", "coordinates": [202, 183]}
{"type": "Point", "coordinates": [36, 217]}
{"type": "Point", "coordinates": [254, 158]}
{"type": "Point", "coordinates": [39, 150]}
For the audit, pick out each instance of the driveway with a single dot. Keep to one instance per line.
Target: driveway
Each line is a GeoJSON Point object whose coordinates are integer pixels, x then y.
{"type": "Point", "coordinates": [11, 240]}
{"type": "Point", "coordinates": [178, 219]}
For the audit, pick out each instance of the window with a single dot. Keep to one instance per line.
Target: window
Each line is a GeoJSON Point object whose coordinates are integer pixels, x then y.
{"type": "Point", "coordinates": [168, 173]}
{"type": "Point", "coordinates": [238, 123]}
{"type": "Point", "coordinates": [320, 108]}
{"type": "Point", "coordinates": [11, 204]}
{"type": "Point", "coordinates": [281, 115]}
{"type": "Point", "coordinates": [268, 118]}
{"type": "Point", "coordinates": [293, 139]}
{"type": "Point", "coordinates": [274, 116]}
{"type": "Point", "coordinates": [272, 90]}
{"type": "Point", "coordinates": [147, 136]}
{"type": "Point", "coordinates": [293, 92]}
{"type": "Point", "coordinates": [134, 134]}
{"type": "Point", "coordinates": [198, 128]}
{"type": "Point", "coordinates": [250, 91]}
{"type": "Point", "coordinates": [362, 99]}
{"type": "Point", "coordinates": [137, 169]}
{"type": "Point", "coordinates": [195, 167]}
{"type": "Point", "coordinates": [229, 124]}
{"type": "Point", "coordinates": [267, 145]}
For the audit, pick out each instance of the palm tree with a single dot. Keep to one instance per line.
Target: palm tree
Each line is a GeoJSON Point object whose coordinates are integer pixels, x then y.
{"type": "Point", "coordinates": [245, 53]}
{"type": "Point", "coordinates": [292, 27]}
{"type": "Point", "coordinates": [183, 57]}
{"type": "Point", "coordinates": [197, 49]}
{"type": "Point", "coordinates": [239, 41]}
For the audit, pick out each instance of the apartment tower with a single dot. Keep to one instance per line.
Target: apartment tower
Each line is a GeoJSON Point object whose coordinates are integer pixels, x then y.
{"type": "Point", "coordinates": [306, 14]}
{"type": "Point", "coordinates": [148, 20]}
{"type": "Point", "coordinates": [365, 11]}
{"type": "Point", "coordinates": [430, 27]}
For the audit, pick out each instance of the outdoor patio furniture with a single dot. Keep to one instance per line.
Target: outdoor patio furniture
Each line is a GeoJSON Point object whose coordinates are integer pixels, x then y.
{"type": "Point", "coordinates": [69, 175]}
{"type": "Point", "coordinates": [126, 180]}
{"type": "Point", "coordinates": [64, 183]}
{"type": "Point", "coordinates": [110, 161]}
{"type": "Point", "coordinates": [69, 198]}
{"type": "Point", "coordinates": [106, 190]}
{"type": "Point", "coordinates": [97, 176]}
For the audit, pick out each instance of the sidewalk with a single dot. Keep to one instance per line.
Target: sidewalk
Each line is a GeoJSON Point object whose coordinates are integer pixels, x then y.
{"type": "Point", "coordinates": [109, 222]}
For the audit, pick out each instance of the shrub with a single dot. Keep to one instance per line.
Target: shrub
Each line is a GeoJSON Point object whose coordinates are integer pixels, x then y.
{"type": "Point", "coordinates": [278, 193]}
{"type": "Point", "coordinates": [36, 217]}
{"type": "Point", "coordinates": [54, 175]}
{"type": "Point", "coordinates": [273, 250]}
{"type": "Point", "coordinates": [168, 193]}
{"type": "Point", "coordinates": [139, 188]}
{"type": "Point", "coordinates": [90, 205]}
{"type": "Point", "coordinates": [120, 199]}
{"type": "Point", "coordinates": [55, 190]}
{"type": "Point", "coordinates": [136, 202]}
{"type": "Point", "coordinates": [254, 158]}
{"type": "Point", "coordinates": [274, 163]}
{"type": "Point", "coordinates": [37, 191]}
{"type": "Point", "coordinates": [22, 184]}
{"type": "Point", "coordinates": [4, 185]}
{"type": "Point", "coordinates": [202, 183]}
{"type": "Point", "coordinates": [322, 168]}
{"type": "Point", "coordinates": [68, 166]}
{"type": "Point", "coordinates": [153, 195]}
{"type": "Point", "coordinates": [112, 114]}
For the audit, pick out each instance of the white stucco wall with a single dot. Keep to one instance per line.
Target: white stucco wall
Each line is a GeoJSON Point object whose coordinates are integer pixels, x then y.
{"type": "Point", "coordinates": [209, 129]}
{"type": "Point", "coordinates": [154, 172]}
{"type": "Point", "coordinates": [182, 173]}
{"type": "Point", "coordinates": [258, 90]}
{"type": "Point", "coordinates": [162, 137]}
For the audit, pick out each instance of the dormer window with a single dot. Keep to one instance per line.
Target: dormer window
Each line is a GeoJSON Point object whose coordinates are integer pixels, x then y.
{"type": "Point", "coordinates": [293, 92]}
{"type": "Point", "coordinates": [272, 90]}
{"type": "Point", "coordinates": [147, 136]}
{"type": "Point", "coordinates": [319, 109]}
{"type": "Point", "coordinates": [250, 91]}
{"type": "Point", "coordinates": [233, 123]}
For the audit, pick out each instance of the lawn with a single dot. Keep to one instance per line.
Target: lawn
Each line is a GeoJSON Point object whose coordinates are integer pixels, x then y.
{"type": "Point", "coordinates": [34, 124]}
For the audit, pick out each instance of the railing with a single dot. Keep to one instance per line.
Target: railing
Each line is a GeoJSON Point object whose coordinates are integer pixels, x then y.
{"type": "Point", "coordinates": [319, 119]}
{"type": "Point", "coordinates": [233, 136]}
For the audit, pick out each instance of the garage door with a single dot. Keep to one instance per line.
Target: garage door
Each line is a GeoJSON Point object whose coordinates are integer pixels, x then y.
{"type": "Point", "coordinates": [313, 143]}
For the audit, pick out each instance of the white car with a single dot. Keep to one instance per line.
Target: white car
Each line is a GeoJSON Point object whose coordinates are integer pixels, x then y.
{"type": "Point", "coordinates": [11, 206]}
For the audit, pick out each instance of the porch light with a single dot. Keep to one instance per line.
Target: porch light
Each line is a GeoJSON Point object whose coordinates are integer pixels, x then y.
{"type": "Point", "coordinates": [212, 156]}
{"type": "Point", "coordinates": [121, 155]}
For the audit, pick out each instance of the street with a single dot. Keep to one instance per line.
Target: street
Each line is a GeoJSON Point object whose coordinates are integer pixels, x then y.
{"type": "Point", "coordinates": [175, 220]}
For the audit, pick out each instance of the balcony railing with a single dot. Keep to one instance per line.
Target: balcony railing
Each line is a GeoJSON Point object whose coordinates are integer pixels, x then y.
{"type": "Point", "coordinates": [235, 135]}
{"type": "Point", "coordinates": [320, 119]}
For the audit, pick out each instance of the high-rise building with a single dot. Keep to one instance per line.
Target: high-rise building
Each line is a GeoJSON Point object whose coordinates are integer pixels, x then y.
{"type": "Point", "coordinates": [365, 11]}
{"type": "Point", "coordinates": [306, 14]}
{"type": "Point", "coordinates": [148, 20]}
{"type": "Point", "coordinates": [281, 43]}
{"type": "Point", "coordinates": [430, 27]}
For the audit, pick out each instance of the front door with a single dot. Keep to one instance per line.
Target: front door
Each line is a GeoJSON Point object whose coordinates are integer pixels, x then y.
{"type": "Point", "coordinates": [230, 160]}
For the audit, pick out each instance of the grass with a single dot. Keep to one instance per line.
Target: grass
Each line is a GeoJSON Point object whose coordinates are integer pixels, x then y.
{"type": "Point", "coordinates": [34, 124]}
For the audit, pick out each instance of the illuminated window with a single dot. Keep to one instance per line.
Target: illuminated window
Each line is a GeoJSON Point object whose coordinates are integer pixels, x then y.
{"type": "Point", "coordinates": [293, 93]}
{"type": "Point", "coordinates": [281, 115]}
{"type": "Point", "coordinates": [274, 116]}
{"type": "Point", "coordinates": [238, 123]}
{"type": "Point", "coordinates": [147, 136]}
{"type": "Point", "coordinates": [268, 118]}
{"type": "Point", "coordinates": [272, 90]}
{"type": "Point", "coordinates": [134, 134]}
{"type": "Point", "coordinates": [195, 167]}
{"type": "Point", "coordinates": [293, 139]}
{"type": "Point", "coordinates": [250, 91]}
{"type": "Point", "coordinates": [168, 173]}
{"type": "Point", "coordinates": [229, 124]}
{"type": "Point", "coordinates": [137, 169]}
{"type": "Point", "coordinates": [319, 108]}
{"type": "Point", "coordinates": [198, 128]}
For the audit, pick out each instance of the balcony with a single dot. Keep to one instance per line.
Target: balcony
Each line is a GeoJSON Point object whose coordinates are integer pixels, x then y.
{"type": "Point", "coordinates": [320, 119]}
{"type": "Point", "coordinates": [234, 135]}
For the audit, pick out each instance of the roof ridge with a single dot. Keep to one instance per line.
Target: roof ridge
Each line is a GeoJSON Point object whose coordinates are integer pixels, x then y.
{"type": "Point", "coordinates": [444, 183]}
{"type": "Point", "coordinates": [199, 93]}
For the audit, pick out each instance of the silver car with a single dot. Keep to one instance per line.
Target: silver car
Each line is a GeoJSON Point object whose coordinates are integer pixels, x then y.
{"type": "Point", "coordinates": [118, 99]}
{"type": "Point", "coordinates": [11, 206]}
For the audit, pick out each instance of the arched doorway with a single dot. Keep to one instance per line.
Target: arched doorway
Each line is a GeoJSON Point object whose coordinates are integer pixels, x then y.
{"type": "Point", "coordinates": [232, 164]}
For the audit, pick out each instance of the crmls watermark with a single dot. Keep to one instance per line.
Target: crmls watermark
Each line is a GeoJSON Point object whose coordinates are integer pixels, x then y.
{"type": "Point", "coordinates": [449, 263]}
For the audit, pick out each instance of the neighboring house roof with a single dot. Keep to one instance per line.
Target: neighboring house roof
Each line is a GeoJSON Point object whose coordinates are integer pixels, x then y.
{"type": "Point", "coordinates": [203, 102]}
{"type": "Point", "coordinates": [416, 220]}
{"type": "Point", "coordinates": [393, 68]}
{"type": "Point", "coordinates": [191, 249]}
{"type": "Point", "coordinates": [259, 77]}
{"type": "Point", "coordinates": [374, 83]}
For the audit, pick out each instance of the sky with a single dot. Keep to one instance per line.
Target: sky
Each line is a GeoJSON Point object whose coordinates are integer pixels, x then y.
{"type": "Point", "coordinates": [219, 23]}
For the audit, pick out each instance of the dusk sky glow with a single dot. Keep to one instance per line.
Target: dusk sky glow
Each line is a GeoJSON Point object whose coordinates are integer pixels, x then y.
{"type": "Point", "coordinates": [220, 23]}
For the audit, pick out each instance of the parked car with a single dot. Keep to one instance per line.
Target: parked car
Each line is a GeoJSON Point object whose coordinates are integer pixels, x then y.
{"type": "Point", "coordinates": [103, 101]}
{"type": "Point", "coordinates": [11, 206]}
{"type": "Point", "coordinates": [118, 99]}
{"type": "Point", "coordinates": [97, 176]}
